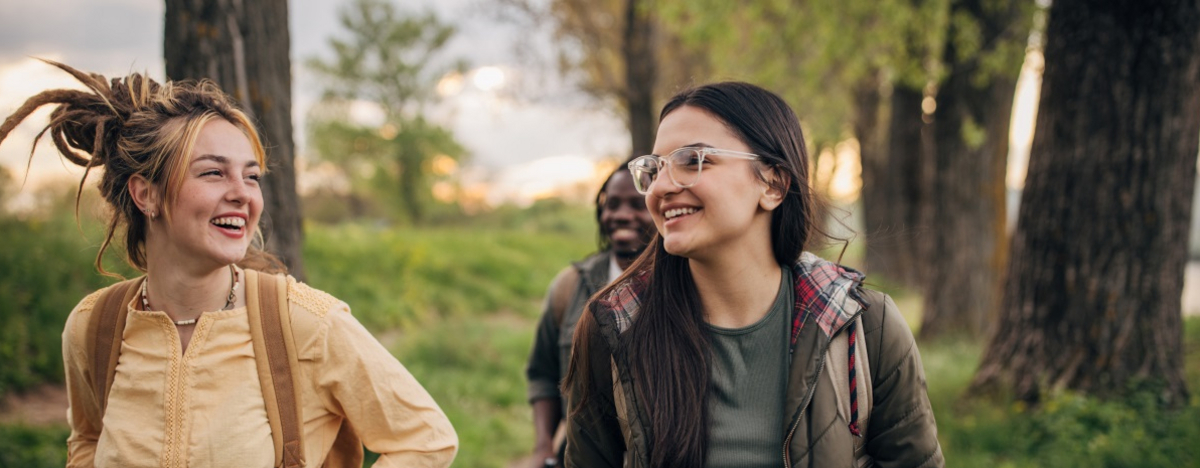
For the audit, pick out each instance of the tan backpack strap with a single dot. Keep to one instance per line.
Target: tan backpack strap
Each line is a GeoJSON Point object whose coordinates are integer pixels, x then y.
{"type": "Point", "coordinates": [564, 286]}
{"type": "Point", "coordinates": [106, 325]}
{"type": "Point", "coordinates": [275, 354]}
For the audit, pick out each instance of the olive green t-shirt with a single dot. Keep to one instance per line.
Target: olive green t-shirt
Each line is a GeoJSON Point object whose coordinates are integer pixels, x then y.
{"type": "Point", "coordinates": [749, 382]}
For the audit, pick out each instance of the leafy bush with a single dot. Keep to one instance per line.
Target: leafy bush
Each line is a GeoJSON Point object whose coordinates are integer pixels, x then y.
{"type": "Point", "coordinates": [1067, 429]}
{"type": "Point", "coordinates": [1072, 430]}
{"type": "Point", "coordinates": [45, 269]}
{"type": "Point", "coordinates": [33, 447]}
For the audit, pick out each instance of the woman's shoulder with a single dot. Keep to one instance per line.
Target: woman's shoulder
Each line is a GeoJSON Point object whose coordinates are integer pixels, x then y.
{"type": "Point", "coordinates": [85, 305]}
{"type": "Point", "coordinates": [90, 302]}
{"type": "Point", "coordinates": [75, 329]}
{"type": "Point", "coordinates": [886, 329]}
{"type": "Point", "coordinates": [312, 301]}
{"type": "Point", "coordinates": [305, 301]}
{"type": "Point", "coordinates": [880, 310]}
{"type": "Point", "coordinates": [313, 312]}
{"type": "Point", "coordinates": [79, 316]}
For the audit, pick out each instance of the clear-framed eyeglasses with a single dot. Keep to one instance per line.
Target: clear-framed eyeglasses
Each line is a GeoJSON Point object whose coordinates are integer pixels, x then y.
{"type": "Point", "coordinates": [683, 166]}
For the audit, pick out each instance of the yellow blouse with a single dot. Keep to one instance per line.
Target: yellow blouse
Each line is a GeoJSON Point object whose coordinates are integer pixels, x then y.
{"type": "Point", "coordinates": [205, 407]}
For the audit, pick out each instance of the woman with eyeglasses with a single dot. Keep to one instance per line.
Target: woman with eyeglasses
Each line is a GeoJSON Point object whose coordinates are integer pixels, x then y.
{"type": "Point", "coordinates": [727, 344]}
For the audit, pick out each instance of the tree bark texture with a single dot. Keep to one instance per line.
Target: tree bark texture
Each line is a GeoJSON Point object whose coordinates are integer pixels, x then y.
{"type": "Point", "coordinates": [244, 47]}
{"type": "Point", "coordinates": [641, 76]}
{"type": "Point", "coordinates": [869, 124]}
{"type": "Point", "coordinates": [963, 215]}
{"type": "Point", "coordinates": [891, 188]}
{"type": "Point", "coordinates": [1092, 297]}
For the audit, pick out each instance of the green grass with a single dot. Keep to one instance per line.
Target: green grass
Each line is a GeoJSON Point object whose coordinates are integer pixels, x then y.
{"type": "Point", "coordinates": [397, 278]}
{"type": "Point", "coordinates": [45, 269]}
{"type": "Point", "coordinates": [1068, 429]}
{"type": "Point", "coordinates": [474, 368]}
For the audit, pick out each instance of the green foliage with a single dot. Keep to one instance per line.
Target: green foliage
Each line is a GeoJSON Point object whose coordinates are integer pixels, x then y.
{"type": "Point", "coordinates": [387, 57]}
{"type": "Point", "coordinates": [6, 185]}
{"type": "Point", "coordinates": [1067, 429]}
{"type": "Point", "coordinates": [45, 269]}
{"type": "Point", "coordinates": [815, 53]}
{"type": "Point", "coordinates": [387, 60]}
{"type": "Point", "coordinates": [32, 446]}
{"type": "Point", "coordinates": [1071, 430]}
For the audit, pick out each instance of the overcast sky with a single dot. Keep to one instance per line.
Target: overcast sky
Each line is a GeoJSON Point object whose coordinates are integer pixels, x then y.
{"type": "Point", "coordinates": [114, 37]}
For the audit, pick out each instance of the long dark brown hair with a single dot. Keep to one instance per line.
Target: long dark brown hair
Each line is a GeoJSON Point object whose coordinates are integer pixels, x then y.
{"type": "Point", "coordinates": [665, 349]}
{"type": "Point", "coordinates": [136, 126]}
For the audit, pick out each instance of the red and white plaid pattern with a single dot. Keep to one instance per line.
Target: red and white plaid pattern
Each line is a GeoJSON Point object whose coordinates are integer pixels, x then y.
{"type": "Point", "coordinates": [824, 288]}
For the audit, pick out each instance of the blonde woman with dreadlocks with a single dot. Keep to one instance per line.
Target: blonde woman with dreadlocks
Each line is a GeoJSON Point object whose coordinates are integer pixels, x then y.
{"type": "Point", "coordinates": [209, 359]}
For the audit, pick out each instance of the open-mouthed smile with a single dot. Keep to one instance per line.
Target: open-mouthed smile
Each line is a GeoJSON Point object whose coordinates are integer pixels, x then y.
{"type": "Point", "coordinates": [677, 212]}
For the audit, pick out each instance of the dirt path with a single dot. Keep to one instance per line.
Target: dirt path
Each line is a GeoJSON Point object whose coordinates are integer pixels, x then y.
{"type": "Point", "coordinates": [41, 406]}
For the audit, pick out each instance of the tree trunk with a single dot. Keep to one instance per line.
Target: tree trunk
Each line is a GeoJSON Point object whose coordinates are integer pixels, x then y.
{"type": "Point", "coordinates": [1091, 301]}
{"type": "Point", "coordinates": [641, 75]}
{"type": "Point", "coordinates": [244, 47]}
{"type": "Point", "coordinates": [868, 125]}
{"type": "Point", "coordinates": [963, 215]}
{"type": "Point", "coordinates": [411, 181]}
{"type": "Point", "coordinates": [891, 188]}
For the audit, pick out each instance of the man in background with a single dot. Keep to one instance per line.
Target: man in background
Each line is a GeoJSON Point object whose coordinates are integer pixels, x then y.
{"type": "Point", "coordinates": [625, 230]}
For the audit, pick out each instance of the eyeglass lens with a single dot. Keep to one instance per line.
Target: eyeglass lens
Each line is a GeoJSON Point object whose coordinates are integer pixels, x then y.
{"type": "Point", "coordinates": [644, 171]}
{"type": "Point", "coordinates": [683, 165]}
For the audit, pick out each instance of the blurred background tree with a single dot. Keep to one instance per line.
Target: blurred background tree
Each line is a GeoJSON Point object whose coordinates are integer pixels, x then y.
{"type": "Point", "coordinates": [1092, 298]}
{"type": "Point", "coordinates": [246, 49]}
{"type": "Point", "coordinates": [388, 59]}
{"type": "Point", "coordinates": [620, 52]}
{"type": "Point", "coordinates": [961, 214]}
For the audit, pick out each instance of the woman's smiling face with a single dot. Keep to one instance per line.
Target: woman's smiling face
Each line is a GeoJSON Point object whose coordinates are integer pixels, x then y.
{"type": "Point", "coordinates": [219, 202]}
{"type": "Point", "coordinates": [724, 207]}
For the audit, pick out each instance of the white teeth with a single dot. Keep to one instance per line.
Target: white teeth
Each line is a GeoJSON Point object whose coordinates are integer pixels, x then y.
{"type": "Point", "coordinates": [679, 212]}
{"type": "Point", "coordinates": [230, 221]}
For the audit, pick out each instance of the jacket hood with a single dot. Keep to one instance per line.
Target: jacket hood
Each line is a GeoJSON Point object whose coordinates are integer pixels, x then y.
{"type": "Point", "coordinates": [825, 289]}
{"type": "Point", "coordinates": [828, 291]}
